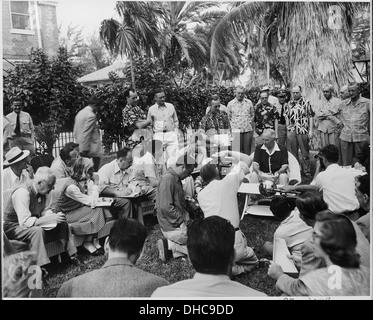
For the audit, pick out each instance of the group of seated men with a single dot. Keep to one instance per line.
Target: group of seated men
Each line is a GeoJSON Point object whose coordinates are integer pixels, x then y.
{"type": "Point", "coordinates": [216, 196]}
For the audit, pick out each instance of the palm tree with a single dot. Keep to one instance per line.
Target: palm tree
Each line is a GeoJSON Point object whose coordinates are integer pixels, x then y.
{"type": "Point", "coordinates": [317, 35]}
{"type": "Point", "coordinates": [178, 41]}
{"type": "Point", "coordinates": [137, 31]}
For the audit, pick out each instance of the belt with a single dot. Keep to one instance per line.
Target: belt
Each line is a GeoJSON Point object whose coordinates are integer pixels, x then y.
{"type": "Point", "coordinates": [237, 229]}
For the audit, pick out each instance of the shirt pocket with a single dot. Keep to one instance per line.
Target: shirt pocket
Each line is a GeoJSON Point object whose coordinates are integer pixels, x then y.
{"type": "Point", "coordinates": [25, 126]}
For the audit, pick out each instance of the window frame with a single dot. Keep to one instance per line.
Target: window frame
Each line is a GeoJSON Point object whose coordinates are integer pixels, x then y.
{"type": "Point", "coordinates": [18, 30]}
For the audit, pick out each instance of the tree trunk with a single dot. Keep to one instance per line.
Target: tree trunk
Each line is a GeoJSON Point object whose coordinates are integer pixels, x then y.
{"type": "Point", "coordinates": [268, 67]}
{"type": "Point", "coordinates": [133, 74]}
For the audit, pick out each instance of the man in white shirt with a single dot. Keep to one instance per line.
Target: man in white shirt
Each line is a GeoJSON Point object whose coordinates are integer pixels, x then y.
{"type": "Point", "coordinates": [210, 248]}
{"type": "Point", "coordinates": [219, 197]}
{"type": "Point", "coordinates": [61, 166]}
{"type": "Point", "coordinates": [26, 220]}
{"type": "Point", "coordinates": [115, 180]}
{"type": "Point", "coordinates": [16, 174]}
{"type": "Point", "coordinates": [162, 115]}
{"type": "Point", "coordinates": [337, 184]}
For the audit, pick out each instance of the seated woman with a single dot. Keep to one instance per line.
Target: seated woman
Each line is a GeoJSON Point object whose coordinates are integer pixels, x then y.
{"type": "Point", "coordinates": [79, 207]}
{"type": "Point", "coordinates": [292, 228]}
{"type": "Point", "coordinates": [334, 241]}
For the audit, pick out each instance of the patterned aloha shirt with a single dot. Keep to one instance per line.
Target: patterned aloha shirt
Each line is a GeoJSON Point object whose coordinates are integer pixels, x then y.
{"type": "Point", "coordinates": [265, 116]}
{"type": "Point", "coordinates": [241, 114]}
{"type": "Point", "coordinates": [299, 113]}
{"type": "Point", "coordinates": [131, 115]}
{"type": "Point", "coordinates": [217, 123]}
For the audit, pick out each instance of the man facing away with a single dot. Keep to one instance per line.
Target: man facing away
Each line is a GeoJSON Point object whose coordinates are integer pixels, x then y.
{"type": "Point", "coordinates": [241, 115]}
{"type": "Point", "coordinates": [119, 277]}
{"type": "Point", "coordinates": [337, 184]}
{"type": "Point", "coordinates": [162, 115]}
{"type": "Point", "coordinates": [87, 132]}
{"type": "Point", "coordinates": [219, 197]}
{"type": "Point", "coordinates": [210, 247]}
{"type": "Point", "coordinates": [26, 220]}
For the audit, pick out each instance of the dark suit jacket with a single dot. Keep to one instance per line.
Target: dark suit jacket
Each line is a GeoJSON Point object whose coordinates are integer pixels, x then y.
{"type": "Point", "coordinates": [87, 132]}
{"type": "Point", "coordinates": [117, 278]}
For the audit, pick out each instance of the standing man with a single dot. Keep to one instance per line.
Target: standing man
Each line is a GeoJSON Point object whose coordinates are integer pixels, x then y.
{"type": "Point", "coordinates": [26, 220]}
{"type": "Point", "coordinates": [344, 92]}
{"type": "Point", "coordinates": [355, 116]}
{"type": "Point", "coordinates": [299, 121]}
{"type": "Point", "coordinates": [16, 174]}
{"type": "Point", "coordinates": [265, 117]}
{"type": "Point", "coordinates": [215, 97]}
{"type": "Point", "coordinates": [241, 115]}
{"type": "Point", "coordinates": [172, 210]}
{"type": "Point", "coordinates": [162, 115]}
{"type": "Point", "coordinates": [271, 99]}
{"type": "Point", "coordinates": [215, 121]}
{"type": "Point", "coordinates": [62, 165]}
{"type": "Point", "coordinates": [22, 128]}
{"type": "Point", "coordinates": [281, 128]}
{"type": "Point", "coordinates": [134, 118]}
{"type": "Point", "coordinates": [327, 118]}
{"type": "Point", "coordinates": [87, 132]}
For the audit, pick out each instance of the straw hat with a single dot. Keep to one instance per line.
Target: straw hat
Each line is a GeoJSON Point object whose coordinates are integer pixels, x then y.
{"type": "Point", "coordinates": [15, 155]}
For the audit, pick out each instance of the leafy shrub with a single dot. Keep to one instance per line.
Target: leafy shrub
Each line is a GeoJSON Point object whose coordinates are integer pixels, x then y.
{"type": "Point", "coordinates": [50, 92]}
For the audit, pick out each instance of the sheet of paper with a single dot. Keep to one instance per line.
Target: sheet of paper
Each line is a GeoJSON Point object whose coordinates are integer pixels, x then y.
{"type": "Point", "coordinates": [280, 251]}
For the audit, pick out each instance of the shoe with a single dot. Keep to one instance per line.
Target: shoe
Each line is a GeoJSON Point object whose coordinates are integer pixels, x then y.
{"type": "Point", "coordinates": [89, 247]}
{"type": "Point", "coordinates": [164, 253]}
{"type": "Point", "coordinates": [96, 243]}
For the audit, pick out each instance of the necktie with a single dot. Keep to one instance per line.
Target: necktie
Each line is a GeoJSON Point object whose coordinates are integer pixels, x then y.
{"type": "Point", "coordinates": [17, 130]}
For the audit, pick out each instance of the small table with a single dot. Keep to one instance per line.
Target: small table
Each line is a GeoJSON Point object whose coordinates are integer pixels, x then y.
{"type": "Point", "coordinates": [256, 210]}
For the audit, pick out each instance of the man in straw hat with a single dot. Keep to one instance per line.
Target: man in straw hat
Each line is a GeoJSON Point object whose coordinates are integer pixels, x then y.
{"type": "Point", "coordinates": [16, 172]}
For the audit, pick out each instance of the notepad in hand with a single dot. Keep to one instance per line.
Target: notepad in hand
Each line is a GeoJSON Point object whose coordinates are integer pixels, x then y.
{"type": "Point", "coordinates": [104, 202]}
{"type": "Point", "coordinates": [280, 252]}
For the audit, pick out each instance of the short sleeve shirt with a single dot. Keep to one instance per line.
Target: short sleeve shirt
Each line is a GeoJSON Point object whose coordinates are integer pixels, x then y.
{"type": "Point", "coordinates": [265, 117]}
{"type": "Point", "coordinates": [299, 113]}
{"type": "Point", "coordinates": [241, 114]}
{"type": "Point", "coordinates": [270, 163]}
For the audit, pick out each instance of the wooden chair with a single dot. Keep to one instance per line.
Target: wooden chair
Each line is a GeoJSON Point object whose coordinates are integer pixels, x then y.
{"type": "Point", "coordinates": [41, 161]}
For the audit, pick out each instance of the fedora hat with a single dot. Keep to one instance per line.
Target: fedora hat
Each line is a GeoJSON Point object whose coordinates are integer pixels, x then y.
{"type": "Point", "coordinates": [15, 155]}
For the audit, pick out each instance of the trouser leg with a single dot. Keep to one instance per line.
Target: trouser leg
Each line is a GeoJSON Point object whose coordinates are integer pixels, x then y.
{"type": "Point", "coordinates": [303, 142]}
{"type": "Point", "coordinates": [247, 140]}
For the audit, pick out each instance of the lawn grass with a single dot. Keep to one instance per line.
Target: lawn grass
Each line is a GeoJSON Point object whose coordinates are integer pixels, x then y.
{"type": "Point", "coordinates": [257, 231]}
